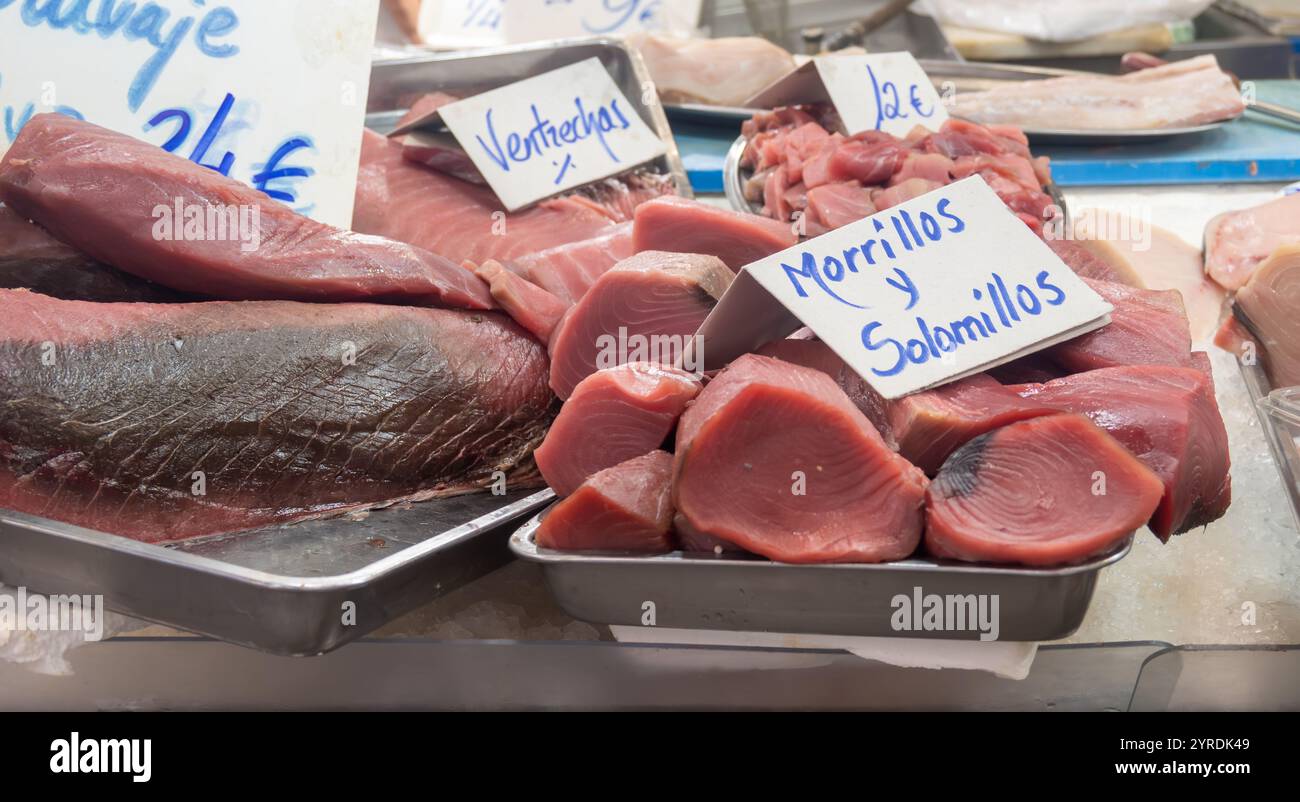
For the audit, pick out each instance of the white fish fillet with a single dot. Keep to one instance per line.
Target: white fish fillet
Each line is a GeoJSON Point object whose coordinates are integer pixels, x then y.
{"type": "Point", "coordinates": [1182, 93]}
{"type": "Point", "coordinates": [716, 72]}
{"type": "Point", "coordinates": [1236, 242]}
{"type": "Point", "coordinates": [1158, 259]}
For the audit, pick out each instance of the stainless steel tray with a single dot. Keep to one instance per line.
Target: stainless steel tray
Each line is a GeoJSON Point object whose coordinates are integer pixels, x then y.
{"type": "Point", "coordinates": [395, 84]}
{"type": "Point", "coordinates": [705, 592]}
{"type": "Point", "coordinates": [733, 183]}
{"type": "Point", "coordinates": [282, 589]}
{"type": "Point", "coordinates": [965, 76]}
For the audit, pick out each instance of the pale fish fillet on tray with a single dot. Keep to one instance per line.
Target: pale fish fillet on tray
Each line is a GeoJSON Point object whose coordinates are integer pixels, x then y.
{"type": "Point", "coordinates": [1180, 94]}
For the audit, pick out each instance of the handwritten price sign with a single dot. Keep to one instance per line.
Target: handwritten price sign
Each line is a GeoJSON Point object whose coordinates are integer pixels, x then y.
{"type": "Point", "coordinates": [271, 94]}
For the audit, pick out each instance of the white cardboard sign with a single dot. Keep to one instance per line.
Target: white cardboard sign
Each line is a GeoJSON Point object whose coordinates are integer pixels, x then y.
{"type": "Point", "coordinates": [462, 23]}
{"type": "Point", "coordinates": [876, 92]}
{"type": "Point", "coordinates": [948, 284]}
{"type": "Point", "coordinates": [532, 20]}
{"type": "Point", "coordinates": [272, 94]}
{"type": "Point", "coordinates": [552, 132]}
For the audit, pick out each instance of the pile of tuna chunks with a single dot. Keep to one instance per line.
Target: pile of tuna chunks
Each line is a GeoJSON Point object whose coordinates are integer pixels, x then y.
{"type": "Point", "coordinates": [801, 167]}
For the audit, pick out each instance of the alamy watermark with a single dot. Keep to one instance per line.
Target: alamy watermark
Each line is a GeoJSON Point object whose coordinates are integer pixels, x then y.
{"type": "Point", "coordinates": [679, 350]}
{"type": "Point", "coordinates": [209, 222]}
{"type": "Point", "coordinates": [950, 612]}
{"type": "Point", "coordinates": [21, 611]}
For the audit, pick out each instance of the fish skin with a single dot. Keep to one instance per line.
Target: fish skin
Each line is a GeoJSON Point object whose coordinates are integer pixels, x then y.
{"type": "Point", "coordinates": [106, 426]}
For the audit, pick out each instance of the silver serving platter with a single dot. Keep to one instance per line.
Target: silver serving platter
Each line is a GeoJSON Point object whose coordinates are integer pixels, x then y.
{"type": "Point", "coordinates": [395, 84]}
{"type": "Point", "coordinates": [751, 594]}
{"type": "Point", "coordinates": [974, 77]}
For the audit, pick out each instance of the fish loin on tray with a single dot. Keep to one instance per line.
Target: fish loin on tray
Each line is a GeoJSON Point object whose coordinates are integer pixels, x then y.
{"type": "Point", "coordinates": [167, 421]}
{"type": "Point", "coordinates": [32, 259]}
{"type": "Point", "coordinates": [529, 305]}
{"type": "Point", "coordinates": [1182, 93]}
{"type": "Point", "coordinates": [688, 226]}
{"type": "Point", "coordinates": [1237, 242]}
{"type": "Point", "coordinates": [613, 415]}
{"type": "Point", "coordinates": [1168, 418]}
{"type": "Point", "coordinates": [626, 507]}
{"type": "Point", "coordinates": [1147, 327]}
{"type": "Point", "coordinates": [1054, 490]}
{"type": "Point", "coordinates": [645, 308]}
{"type": "Point", "coordinates": [132, 205]}
{"type": "Point", "coordinates": [773, 457]}
{"type": "Point", "coordinates": [1271, 302]}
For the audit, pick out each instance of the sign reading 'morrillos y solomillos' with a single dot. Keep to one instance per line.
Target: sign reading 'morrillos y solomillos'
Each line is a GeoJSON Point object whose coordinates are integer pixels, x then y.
{"type": "Point", "coordinates": [942, 286]}
{"type": "Point", "coordinates": [555, 131]}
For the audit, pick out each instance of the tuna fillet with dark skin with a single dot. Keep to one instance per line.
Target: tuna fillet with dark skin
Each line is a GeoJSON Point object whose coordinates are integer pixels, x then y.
{"type": "Point", "coordinates": [167, 421]}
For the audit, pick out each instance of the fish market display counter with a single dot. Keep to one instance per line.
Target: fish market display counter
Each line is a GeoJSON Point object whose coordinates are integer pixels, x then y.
{"type": "Point", "coordinates": [1209, 620]}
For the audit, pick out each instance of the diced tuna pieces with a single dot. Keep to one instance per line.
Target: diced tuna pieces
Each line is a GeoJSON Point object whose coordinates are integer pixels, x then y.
{"type": "Point", "coordinates": [101, 192]}
{"type": "Point", "coordinates": [529, 305]}
{"type": "Point", "coordinates": [568, 271]}
{"type": "Point", "coordinates": [644, 309]}
{"type": "Point", "coordinates": [835, 205]}
{"type": "Point", "coordinates": [1169, 419]}
{"type": "Point", "coordinates": [901, 193]}
{"type": "Point", "coordinates": [774, 458]}
{"type": "Point", "coordinates": [1054, 490]}
{"type": "Point", "coordinates": [1147, 327]}
{"type": "Point", "coordinates": [686, 226]}
{"type": "Point", "coordinates": [868, 158]}
{"type": "Point", "coordinates": [613, 415]}
{"type": "Point", "coordinates": [930, 166]}
{"type": "Point", "coordinates": [930, 425]}
{"type": "Point", "coordinates": [624, 508]}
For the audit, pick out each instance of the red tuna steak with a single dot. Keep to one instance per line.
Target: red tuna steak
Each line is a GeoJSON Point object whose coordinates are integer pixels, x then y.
{"type": "Point", "coordinates": [627, 507]}
{"type": "Point", "coordinates": [613, 415]}
{"type": "Point", "coordinates": [113, 412]}
{"type": "Point", "coordinates": [108, 194]}
{"type": "Point", "coordinates": [774, 458]}
{"type": "Point", "coordinates": [931, 425]}
{"type": "Point", "coordinates": [568, 271]}
{"type": "Point", "coordinates": [1147, 327]}
{"type": "Point", "coordinates": [687, 226]}
{"type": "Point", "coordinates": [646, 308]}
{"type": "Point", "coordinates": [1169, 419]}
{"type": "Point", "coordinates": [1030, 493]}
{"type": "Point", "coordinates": [818, 355]}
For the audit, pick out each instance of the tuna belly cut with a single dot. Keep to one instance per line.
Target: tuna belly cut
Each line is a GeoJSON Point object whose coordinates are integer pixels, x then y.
{"type": "Point", "coordinates": [626, 507]}
{"type": "Point", "coordinates": [1054, 490]}
{"type": "Point", "coordinates": [776, 459]}
{"type": "Point", "coordinates": [1168, 418]}
{"type": "Point", "coordinates": [612, 416]}
{"type": "Point", "coordinates": [166, 421]}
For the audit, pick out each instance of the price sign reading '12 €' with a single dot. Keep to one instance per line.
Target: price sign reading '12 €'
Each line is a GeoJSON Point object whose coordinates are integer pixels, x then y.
{"type": "Point", "coordinates": [552, 132]}
{"type": "Point", "coordinates": [945, 285]}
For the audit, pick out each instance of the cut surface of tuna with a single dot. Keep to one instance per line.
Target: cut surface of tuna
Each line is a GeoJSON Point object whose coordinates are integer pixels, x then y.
{"type": "Point", "coordinates": [1271, 302]}
{"type": "Point", "coordinates": [932, 424]}
{"type": "Point", "coordinates": [627, 507]}
{"type": "Point", "coordinates": [1237, 242]}
{"type": "Point", "coordinates": [1168, 418]}
{"type": "Point", "coordinates": [281, 410]}
{"type": "Point", "coordinates": [1055, 490]}
{"type": "Point", "coordinates": [819, 356]}
{"type": "Point", "coordinates": [644, 309]}
{"type": "Point", "coordinates": [108, 195]}
{"type": "Point", "coordinates": [613, 415]}
{"type": "Point", "coordinates": [1091, 262]}
{"type": "Point", "coordinates": [688, 226]}
{"type": "Point", "coordinates": [1147, 327]}
{"type": "Point", "coordinates": [774, 458]}
{"type": "Point", "coordinates": [529, 305]}
{"type": "Point", "coordinates": [568, 271]}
